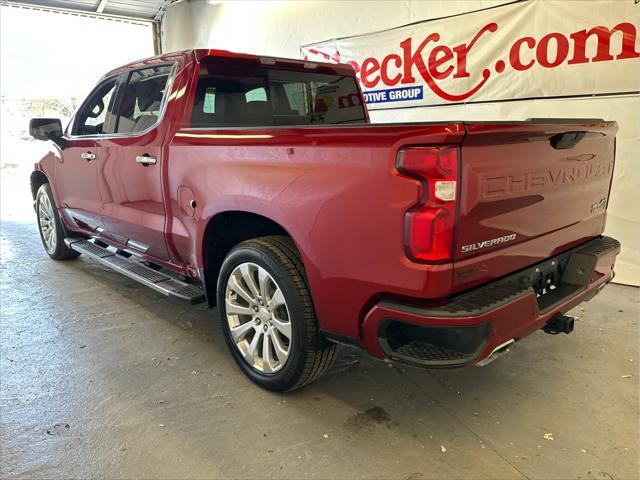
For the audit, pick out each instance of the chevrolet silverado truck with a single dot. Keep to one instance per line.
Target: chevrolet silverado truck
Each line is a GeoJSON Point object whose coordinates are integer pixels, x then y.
{"type": "Point", "coordinates": [257, 185]}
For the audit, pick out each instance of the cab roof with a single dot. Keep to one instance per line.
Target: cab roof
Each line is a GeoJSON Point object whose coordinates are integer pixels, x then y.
{"type": "Point", "coordinates": [201, 54]}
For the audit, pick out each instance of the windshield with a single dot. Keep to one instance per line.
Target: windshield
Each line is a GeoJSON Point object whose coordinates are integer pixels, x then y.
{"type": "Point", "coordinates": [231, 95]}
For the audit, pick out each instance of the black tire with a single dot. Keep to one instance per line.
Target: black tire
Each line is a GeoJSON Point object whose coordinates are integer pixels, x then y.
{"type": "Point", "coordinates": [310, 354]}
{"type": "Point", "coordinates": [58, 250]}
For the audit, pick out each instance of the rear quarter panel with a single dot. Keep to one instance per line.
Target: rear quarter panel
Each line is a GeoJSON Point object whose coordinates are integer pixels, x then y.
{"type": "Point", "coordinates": [335, 190]}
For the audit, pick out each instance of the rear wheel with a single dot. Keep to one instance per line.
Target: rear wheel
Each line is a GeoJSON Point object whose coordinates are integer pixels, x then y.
{"type": "Point", "coordinates": [267, 315]}
{"type": "Point", "coordinates": [51, 230]}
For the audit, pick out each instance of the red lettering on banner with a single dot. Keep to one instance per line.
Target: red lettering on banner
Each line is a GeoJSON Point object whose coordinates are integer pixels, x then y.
{"type": "Point", "coordinates": [369, 67]}
{"type": "Point", "coordinates": [427, 72]}
{"type": "Point", "coordinates": [542, 52]}
{"type": "Point", "coordinates": [516, 49]}
{"type": "Point", "coordinates": [436, 62]}
{"type": "Point", "coordinates": [603, 35]}
{"type": "Point", "coordinates": [416, 58]}
{"type": "Point", "coordinates": [384, 70]}
{"type": "Point", "coordinates": [463, 50]}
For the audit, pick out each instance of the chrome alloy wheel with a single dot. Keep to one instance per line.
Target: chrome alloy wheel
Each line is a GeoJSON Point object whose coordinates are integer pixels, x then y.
{"type": "Point", "coordinates": [47, 223]}
{"type": "Point", "coordinates": [258, 317]}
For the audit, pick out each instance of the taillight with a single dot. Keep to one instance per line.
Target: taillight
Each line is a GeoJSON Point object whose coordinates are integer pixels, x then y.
{"type": "Point", "coordinates": [429, 225]}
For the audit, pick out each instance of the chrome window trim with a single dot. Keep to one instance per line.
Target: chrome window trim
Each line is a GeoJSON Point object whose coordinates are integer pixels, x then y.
{"type": "Point", "coordinates": [163, 106]}
{"type": "Point", "coordinates": [315, 125]}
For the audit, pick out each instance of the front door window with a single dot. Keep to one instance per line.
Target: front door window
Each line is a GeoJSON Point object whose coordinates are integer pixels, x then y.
{"type": "Point", "coordinates": [95, 116]}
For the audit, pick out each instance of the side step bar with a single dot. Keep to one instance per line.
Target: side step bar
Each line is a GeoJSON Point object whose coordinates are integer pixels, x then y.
{"type": "Point", "coordinates": [109, 257]}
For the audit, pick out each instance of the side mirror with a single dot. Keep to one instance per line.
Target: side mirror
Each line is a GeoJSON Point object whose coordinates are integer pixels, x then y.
{"type": "Point", "coordinates": [46, 129]}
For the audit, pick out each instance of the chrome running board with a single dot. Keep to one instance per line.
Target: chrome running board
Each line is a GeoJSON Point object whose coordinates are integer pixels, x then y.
{"type": "Point", "coordinates": [135, 270]}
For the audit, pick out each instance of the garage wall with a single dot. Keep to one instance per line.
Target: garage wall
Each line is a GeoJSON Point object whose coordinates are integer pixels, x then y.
{"type": "Point", "coordinates": [280, 28]}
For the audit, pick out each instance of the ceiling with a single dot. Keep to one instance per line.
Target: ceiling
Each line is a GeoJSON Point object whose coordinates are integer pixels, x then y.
{"type": "Point", "coordinates": [148, 10]}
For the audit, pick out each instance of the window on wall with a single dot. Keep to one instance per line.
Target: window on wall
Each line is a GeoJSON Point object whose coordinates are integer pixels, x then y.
{"type": "Point", "coordinates": [229, 95]}
{"type": "Point", "coordinates": [141, 99]}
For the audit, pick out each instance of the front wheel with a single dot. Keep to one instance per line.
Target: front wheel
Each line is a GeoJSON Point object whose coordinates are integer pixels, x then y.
{"type": "Point", "coordinates": [267, 315]}
{"type": "Point", "coordinates": [51, 230]}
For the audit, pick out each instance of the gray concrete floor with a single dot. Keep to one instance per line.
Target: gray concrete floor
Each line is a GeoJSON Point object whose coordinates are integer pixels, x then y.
{"type": "Point", "coordinates": [101, 377]}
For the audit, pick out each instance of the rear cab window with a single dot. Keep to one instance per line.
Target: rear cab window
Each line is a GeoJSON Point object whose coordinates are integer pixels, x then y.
{"type": "Point", "coordinates": [236, 95]}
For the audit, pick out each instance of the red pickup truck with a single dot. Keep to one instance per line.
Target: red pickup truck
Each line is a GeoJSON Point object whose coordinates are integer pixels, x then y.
{"type": "Point", "coordinates": [258, 185]}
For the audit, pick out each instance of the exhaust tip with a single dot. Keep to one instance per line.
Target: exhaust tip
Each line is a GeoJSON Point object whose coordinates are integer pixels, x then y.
{"type": "Point", "coordinates": [497, 352]}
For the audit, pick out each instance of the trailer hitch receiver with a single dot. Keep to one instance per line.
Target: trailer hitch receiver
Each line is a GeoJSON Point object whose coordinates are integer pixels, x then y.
{"type": "Point", "coordinates": [559, 324]}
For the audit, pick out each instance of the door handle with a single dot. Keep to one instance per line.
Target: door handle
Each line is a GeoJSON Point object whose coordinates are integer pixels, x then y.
{"type": "Point", "coordinates": [88, 156]}
{"type": "Point", "coordinates": [146, 160]}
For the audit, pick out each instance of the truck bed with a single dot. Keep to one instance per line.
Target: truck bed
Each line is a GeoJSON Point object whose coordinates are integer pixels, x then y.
{"type": "Point", "coordinates": [337, 191]}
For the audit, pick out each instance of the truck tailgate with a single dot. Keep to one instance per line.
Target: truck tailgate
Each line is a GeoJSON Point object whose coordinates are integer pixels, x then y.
{"type": "Point", "coordinates": [542, 183]}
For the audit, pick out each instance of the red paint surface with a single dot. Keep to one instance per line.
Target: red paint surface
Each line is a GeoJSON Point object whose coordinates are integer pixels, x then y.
{"type": "Point", "coordinates": [337, 192]}
{"type": "Point", "coordinates": [514, 320]}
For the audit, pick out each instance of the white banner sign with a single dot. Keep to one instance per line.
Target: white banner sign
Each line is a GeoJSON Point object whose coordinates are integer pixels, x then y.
{"type": "Point", "coordinates": [523, 50]}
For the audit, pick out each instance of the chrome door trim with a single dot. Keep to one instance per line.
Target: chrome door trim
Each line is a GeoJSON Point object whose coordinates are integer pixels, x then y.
{"type": "Point", "coordinates": [146, 160]}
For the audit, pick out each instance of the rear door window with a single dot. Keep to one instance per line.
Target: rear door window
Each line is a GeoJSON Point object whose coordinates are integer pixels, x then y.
{"type": "Point", "coordinates": [142, 99]}
{"type": "Point", "coordinates": [230, 95]}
